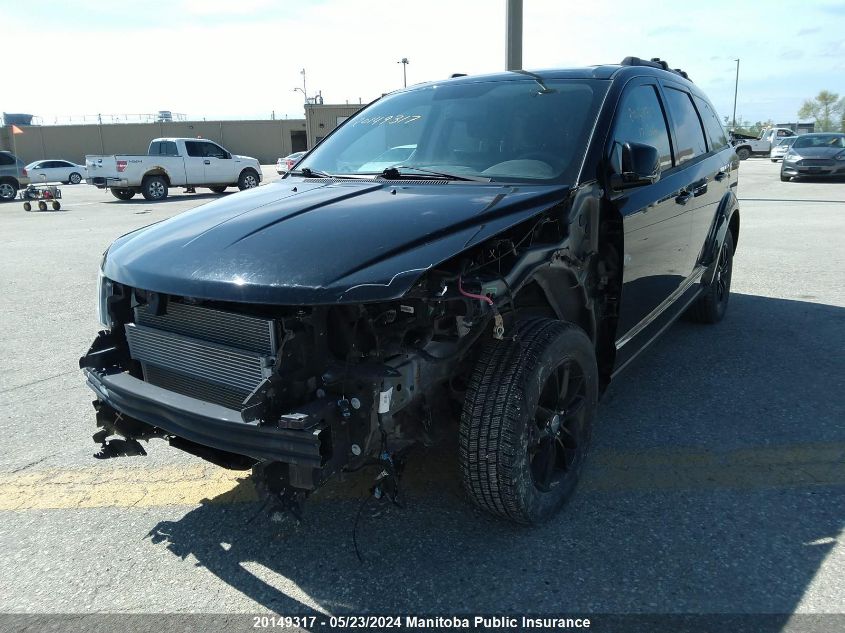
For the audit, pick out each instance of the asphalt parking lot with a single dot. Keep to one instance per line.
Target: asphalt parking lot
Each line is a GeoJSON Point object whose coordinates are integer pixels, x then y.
{"type": "Point", "coordinates": [716, 483]}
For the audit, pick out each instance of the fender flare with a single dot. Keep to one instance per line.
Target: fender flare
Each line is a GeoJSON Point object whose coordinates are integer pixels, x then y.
{"type": "Point", "coordinates": [728, 207]}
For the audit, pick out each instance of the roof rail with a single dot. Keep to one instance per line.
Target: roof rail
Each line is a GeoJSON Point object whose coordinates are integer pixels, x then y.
{"type": "Point", "coordinates": [654, 62]}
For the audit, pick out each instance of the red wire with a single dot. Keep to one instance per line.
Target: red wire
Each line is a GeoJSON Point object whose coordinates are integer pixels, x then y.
{"type": "Point", "coordinates": [473, 296]}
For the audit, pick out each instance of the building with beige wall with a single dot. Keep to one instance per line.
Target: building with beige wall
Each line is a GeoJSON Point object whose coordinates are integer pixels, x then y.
{"type": "Point", "coordinates": [265, 140]}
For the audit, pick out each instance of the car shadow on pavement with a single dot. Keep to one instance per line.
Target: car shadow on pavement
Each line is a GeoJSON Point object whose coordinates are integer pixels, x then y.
{"type": "Point", "coordinates": [716, 485]}
{"type": "Point", "coordinates": [178, 196]}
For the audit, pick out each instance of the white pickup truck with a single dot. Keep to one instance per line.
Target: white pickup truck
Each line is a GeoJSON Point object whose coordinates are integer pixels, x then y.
{"type": "Point", "coordinates": [173, 162]}
{"type": "Point", "coordinates": [745, 145]}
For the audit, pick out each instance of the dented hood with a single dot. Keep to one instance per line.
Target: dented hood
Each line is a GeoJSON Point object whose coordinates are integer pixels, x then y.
{"type": "Point", "coordinates": [297, 242]}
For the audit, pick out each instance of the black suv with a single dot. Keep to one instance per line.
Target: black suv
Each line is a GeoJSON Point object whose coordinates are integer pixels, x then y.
{"type": "Point", "coordinates": [539, 230]}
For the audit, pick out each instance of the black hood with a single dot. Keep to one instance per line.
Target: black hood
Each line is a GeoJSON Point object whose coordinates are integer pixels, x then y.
{"type": "Point", "coordinates": [297, 242]}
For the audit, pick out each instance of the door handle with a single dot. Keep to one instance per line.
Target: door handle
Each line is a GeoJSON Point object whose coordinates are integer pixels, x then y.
{"type": "Point", "coordinates": [683, 196]}
{"type": "Point", "coordinates": [720, 176]}
{"type": "Point", "coordinates": [206, 162]}
{"type": "Point", "coordinates": [699, 188]}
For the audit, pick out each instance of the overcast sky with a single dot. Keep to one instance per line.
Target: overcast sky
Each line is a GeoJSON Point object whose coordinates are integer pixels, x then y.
{"type": "Point", "coordinates": [241, 58]}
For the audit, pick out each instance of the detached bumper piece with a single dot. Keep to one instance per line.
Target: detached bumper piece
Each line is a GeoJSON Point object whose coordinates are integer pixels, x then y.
{"type": "Point", "coordinates": [138, 409]}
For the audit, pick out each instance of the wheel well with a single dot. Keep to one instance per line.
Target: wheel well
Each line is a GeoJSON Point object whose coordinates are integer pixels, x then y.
{"type": "Point", "coordinates": [157, 172]}
{"type": "Point", "coordinates": [11, 180]}
{"type": "Point", "coordinates": [733, 226]}
{"type": "Point", "coordinates": [246, 169]}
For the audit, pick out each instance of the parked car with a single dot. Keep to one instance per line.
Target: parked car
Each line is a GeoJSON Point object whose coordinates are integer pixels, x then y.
{"type": "Point", "coordinates": [13, 175]}
{"type": "Point", "coordinates": [173, 162]}
{"type": "Point", "coordinates": [549, 227]}
{"type": "Point", "coordinates": [781, 147]}
{"type": "Point", "coordinates": [394, 156]}
{"type": "Point", "coordinates": [56, 171]}
{"type": "Point", "coordinates": [284, 165]}
{"type": "Point", "coordinates": [817, 154]}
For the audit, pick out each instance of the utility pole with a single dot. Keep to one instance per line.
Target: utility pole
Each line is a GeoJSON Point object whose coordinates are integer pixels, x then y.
{"type": "Point", "coordinates": [736, 88]}
{"type": "Point", "coordinates": [513, 39]}
{"type": "Point", "coordinates": [404, 61]}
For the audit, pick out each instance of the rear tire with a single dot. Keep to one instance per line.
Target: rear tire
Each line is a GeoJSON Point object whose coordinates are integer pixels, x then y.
{"type": "Point", "coordinates": [42, 206]}
{"type": "Point", "coordinates": [218, 189]}
{"type": "Point", "coordinates": [743, 153]}
{"type": "Point", "coordinates": [154, 188]}
{"type": "Point", "coordinates": [74, 178]}
{"type": "Point", "coordinates": [527, 420]}
{"type": "Point", "coordinates": [122, 194]}
{"type": "Point", "coordinates": [8, 190]}
{"type": "Point", "coordinates": [710, 307]}
{"type": "Point", "coordinates": [56, 205]}
{"type": "Point", "coordinates": [248, 179]}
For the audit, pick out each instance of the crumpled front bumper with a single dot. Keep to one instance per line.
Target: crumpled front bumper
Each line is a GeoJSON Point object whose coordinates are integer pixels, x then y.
{"type": "Point", "coordinates": [202, 422]}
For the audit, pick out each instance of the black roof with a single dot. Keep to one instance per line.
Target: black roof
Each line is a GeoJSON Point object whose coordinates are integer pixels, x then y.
{"type": "Point", "coordinates": [630, 66]}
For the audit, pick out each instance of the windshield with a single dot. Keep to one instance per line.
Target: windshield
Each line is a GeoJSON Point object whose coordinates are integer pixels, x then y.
{"type": "Point", "coordinates": [787, 141]}
{"type": "Point", "coordinates": [520, 130]}
{"type": "Point", "coordinates": [820, 140]}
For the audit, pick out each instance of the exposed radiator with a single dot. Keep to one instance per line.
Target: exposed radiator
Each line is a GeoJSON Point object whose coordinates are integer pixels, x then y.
{"type": "Point", "coordinates": [212, 355]}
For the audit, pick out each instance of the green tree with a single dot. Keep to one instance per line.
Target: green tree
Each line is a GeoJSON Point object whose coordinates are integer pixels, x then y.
{"type": "Point", "coordinates": [827, 110]}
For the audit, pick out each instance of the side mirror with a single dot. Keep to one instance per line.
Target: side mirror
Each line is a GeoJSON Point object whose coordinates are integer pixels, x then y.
{"type": "Point", "coordinates": [640, 166]}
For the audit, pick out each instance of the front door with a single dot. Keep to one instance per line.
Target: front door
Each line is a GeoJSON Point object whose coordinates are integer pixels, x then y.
{"type": "Point", "coordinates": [657, 218]}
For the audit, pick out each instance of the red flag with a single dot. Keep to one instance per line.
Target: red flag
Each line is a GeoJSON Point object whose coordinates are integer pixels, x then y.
{"type": "Point", "coordinates": [16, 130]}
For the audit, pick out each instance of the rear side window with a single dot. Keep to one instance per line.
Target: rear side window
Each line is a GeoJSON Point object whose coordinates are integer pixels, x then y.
{"type": "Point", "coordinates": [640, 119]}
{"type": "Point", "coordinates": [688, 132]}
{"type": "Point", "coordinates": [163, 148]}
{"type": "Point", "coordinates": [715, 132]}
{"type": "Point", "coordinates": [6, 159]}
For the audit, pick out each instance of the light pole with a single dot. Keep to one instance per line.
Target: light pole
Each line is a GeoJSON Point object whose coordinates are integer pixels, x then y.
{"type": "Point", "coordinates": [736, 88]}
{"type": "Point", "coordinates": [404, 61]}
{"type": "Point", "coordinates": [302, 90]}
{"type": "Point", "coordinates": [513, 35]}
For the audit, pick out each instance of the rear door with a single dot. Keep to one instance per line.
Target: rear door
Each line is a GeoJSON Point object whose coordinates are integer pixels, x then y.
{"type": "Point", "coordinates": [195, 162]}
{"type": "Point", "coordinates": [656, 218]}
{"type": "Point", "coordinates": [702, 167]}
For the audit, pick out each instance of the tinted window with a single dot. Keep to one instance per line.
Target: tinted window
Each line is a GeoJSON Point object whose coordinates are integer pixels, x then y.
{"type": "Point", "coordinates": [688, 132]}
{"type": "Point", "coordinates": [168, 148]}
{"type": "Point", "coordinates": [215, 151]}
{"type": "Point", "coordinates": [194, 148]}
{"type": "Point", "coordinates": [155, 148]}
{"type": "Point", "coordinates": [715, 131]}
{"type": "Point", "coordinates": [640, 119]}
{"type": "Point", "coordinates": [6, 159]}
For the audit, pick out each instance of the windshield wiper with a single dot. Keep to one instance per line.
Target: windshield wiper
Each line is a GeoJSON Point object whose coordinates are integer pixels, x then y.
{"type": "Point", "coordinates": [392, 173]}
{"type": "Point", "coordinates": [311, 173]}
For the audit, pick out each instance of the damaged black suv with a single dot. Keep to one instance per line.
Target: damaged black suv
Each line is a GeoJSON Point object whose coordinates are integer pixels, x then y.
{"type": "Point", "coordinates": [477, 257]}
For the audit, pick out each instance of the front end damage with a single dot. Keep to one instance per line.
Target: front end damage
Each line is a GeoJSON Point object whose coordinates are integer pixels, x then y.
{"type": "Point", "coordinates": [301, 393]}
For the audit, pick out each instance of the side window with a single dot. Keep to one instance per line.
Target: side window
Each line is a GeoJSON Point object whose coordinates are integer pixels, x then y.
{"type": "Point", "coordinates": [194, 148]}
{"type": "Point", "coordinates": [155, 148]}
{"type": "Point", "coordinates": [168, 148]}
{"type": "Point", "coordinates": [215, 151]}
{"type": "Point", "coordinates": [688, 132]}
{"type": "Point", "coordinates": [715, 132]}
{"type": "Point", "coordinates": [640, 119]}
{"type": "Point", "coordinates": [6, 159]}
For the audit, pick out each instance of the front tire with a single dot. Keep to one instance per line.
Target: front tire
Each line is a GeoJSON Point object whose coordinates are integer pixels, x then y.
{"type": "Point", "coordinates": [743, 153]}
{"type": "Point", "coordinates": [74, 178]}
{"type": "Point", "coordinates": [710, 307]}
{"type": "Point", "coordinates": [218, 189]}
{"type": "Point", "coordinates": [122, 194]}
{"type": "Point", "coordinates": [527, 420]}
{"type": "Point", "coordinates": [248, 179]}
{"type": "Point", "coordinates": [785, 178]}
{"type": "Point", "coordinates": [154, 188]}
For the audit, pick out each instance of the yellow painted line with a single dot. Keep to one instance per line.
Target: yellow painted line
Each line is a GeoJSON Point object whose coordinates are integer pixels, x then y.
{"type": "Point", "coordinates": [113, 485]}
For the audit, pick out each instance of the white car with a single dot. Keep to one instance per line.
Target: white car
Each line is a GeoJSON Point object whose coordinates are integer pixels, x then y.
{"type": "Point", "coordinates": [782, 147]}
{"type": "Point", "coordinates": [56, 171]}
{"type": "Point", "coordinates": [284, 165]}
{"type": "Point", "coordinates": [394, 156]}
